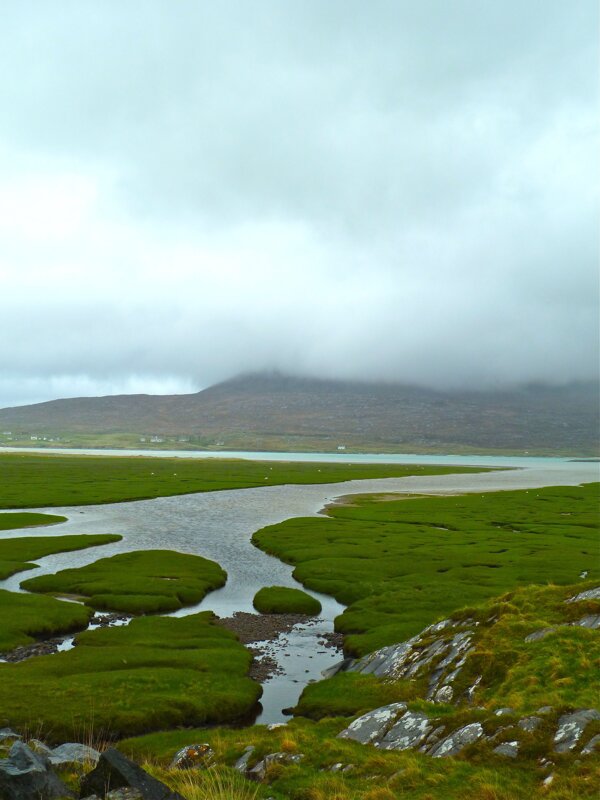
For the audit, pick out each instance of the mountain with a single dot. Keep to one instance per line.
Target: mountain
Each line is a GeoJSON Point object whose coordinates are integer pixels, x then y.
{"type": "Point", "coordinates": [283, 412]}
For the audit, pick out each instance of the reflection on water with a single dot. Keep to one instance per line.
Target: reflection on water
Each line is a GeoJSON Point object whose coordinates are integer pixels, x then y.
{"type": "Point", "coordinates": [219, 525]}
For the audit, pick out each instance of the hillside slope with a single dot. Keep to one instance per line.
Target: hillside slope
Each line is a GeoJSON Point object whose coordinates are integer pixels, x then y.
{"type": "Point", "coordinates": [261, 410]}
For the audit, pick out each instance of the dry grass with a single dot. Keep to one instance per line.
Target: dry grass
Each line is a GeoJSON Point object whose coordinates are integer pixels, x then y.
{"type": "Point", "coordinates": [210, 784]}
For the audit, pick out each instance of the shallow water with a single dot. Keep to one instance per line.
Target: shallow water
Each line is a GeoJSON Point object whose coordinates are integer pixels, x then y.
{"type": "Point", "coordinates": [219, 525]}
{"type": "Point", "coordinates": [341, 457]}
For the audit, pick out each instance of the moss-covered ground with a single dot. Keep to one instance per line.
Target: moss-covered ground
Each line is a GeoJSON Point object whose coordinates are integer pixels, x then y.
{"type": "Point", "coordinates": [402, 564]}
{"type": "Point", "coordinates": [36, 480]}
{"type": "Point", "coordinates": [16, 554]}
{"type": "Point", "coordinates": [140, 582]}
{"type": "Point", "coordinates": [10, 521]}
{"type": "Point", "coordinates": [155, 673]}
{"type": "Point", "coordinates": [283, 600]}
{"type": "Point", "coordinates": [373, 774]}
{"type": "Point", "coordinates": [25, 618]}
{"type": "Point", "coordinates": [560, 669]}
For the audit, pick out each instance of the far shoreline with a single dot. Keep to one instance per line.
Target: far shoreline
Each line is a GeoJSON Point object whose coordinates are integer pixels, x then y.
{"type": "Point", "coordinates": [484, 459]}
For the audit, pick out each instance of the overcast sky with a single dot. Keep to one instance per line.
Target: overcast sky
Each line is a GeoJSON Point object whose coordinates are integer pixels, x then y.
{"type": "Point", "coordinates": [378, 190]}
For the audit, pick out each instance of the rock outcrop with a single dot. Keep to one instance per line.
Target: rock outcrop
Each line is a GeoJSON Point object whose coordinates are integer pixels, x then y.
{"type": "Point", "coordinates": [394, 727]}
{"type": "Point", "coordinates": [440, 651]}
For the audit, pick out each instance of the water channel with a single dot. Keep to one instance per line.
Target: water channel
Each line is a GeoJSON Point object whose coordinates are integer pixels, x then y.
{"type": "Point", "coordinates": [219, 525]}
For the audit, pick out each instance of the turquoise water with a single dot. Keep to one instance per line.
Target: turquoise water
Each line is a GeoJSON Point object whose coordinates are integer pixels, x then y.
{"type": "Point", "coordinates": [339, 457]}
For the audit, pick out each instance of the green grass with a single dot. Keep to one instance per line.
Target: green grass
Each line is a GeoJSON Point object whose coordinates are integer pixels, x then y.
{"type": "Point", "coordinates": [402, 564]}
{"type": "Point", "coordinates": [156, 673]}
{"type": "Point", "coordinates": [25, 618]}
{"type": "Point", "coordinates": [350, 694]}
{"type": "Point", "coordinates": [376, 774]}
{"type": "Point", "coordinates": [16, 554]}
{"type": "Point", "coordinates": [27, 520]}
{"type": "Point", "coordinates": [282, 600]}
{"type": "Point", "coordinates": [34, 480]}
{"type": "Point", "coordinates": [140, 582]}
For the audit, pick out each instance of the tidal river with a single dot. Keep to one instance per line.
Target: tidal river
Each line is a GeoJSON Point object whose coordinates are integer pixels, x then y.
{"type": "Point", "coordinates": [219, 525]}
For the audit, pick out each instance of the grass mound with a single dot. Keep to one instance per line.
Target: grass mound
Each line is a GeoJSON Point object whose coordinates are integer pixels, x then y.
{"type": "Point", "coordinates": [350, 694]}
{"type": "Point", "coordinates": [34, 480]}
{"type": "Point", "coordinates": [141, 582]}
{"type": "Point", "coordinates": [282, 600]}
{"type": "Point", "coordinates": [16, 554]}
{"type": "Point", "coordinates": [558, 670]}
{"type": "Point", "coordinates": [158, 672]}
{"type": "Point", "coordinates": [402, 564]}
{"type": "Point", "coordinates": [24, 618]}
{"type": "Point", "coordinates": [28, 520]}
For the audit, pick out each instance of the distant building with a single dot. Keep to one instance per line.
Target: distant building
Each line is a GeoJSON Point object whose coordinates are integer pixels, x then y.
{"type": "Point", "coordinates": [341, 447]}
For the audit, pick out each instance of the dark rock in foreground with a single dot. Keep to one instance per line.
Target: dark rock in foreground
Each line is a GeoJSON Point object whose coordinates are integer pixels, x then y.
{"type": "Point", "coordinates": [25, 775]}
{"type": "Point", "coordinates": [115, 771]}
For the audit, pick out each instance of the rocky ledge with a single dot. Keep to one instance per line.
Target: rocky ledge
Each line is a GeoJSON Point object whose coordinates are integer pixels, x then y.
{"type": "Point", "coordinates": [394, 727]}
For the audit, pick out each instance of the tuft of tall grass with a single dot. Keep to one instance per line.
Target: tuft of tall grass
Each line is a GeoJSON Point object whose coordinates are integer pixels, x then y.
{"type": "Point", "coordinates": [215, 783]}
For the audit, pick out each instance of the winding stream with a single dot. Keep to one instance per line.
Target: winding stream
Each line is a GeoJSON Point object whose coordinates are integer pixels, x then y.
{"type": "Point", "coordinates": [219, 525]}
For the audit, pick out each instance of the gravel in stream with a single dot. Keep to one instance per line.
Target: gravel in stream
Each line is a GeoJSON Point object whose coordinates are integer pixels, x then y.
{"type": "Point", "coordinates": [47, 647]}
{"type": "Point", "coordinates": [265, 630]}
{"type": "Point", "coordinates": [262, 627]}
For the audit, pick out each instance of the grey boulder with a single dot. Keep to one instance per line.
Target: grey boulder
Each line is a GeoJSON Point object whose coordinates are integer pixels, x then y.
{"type": "Point", "coordinates": [591, 746]}
{"type": "Point", "coordinates": [409, 732]}
{"type": "Point", "coordinates": [571, 728]}
{"type": "Point", "coordinates": [259, 772]}
{"type": "Point", "coordinates": [372, 726]}
{"type": "Point", "coordinates": [457, 740]}
{"type": "Point", "coordinates": [590, 621]}
{"type": "Point", "coordinates": [529, 724]}
{"type": "Point", "coordinates": [73, 753]}
{"type": "Point", "coordinates": [242, 763]}
{"type": "Point", "coordinates": [507, 749]}
{"type": "Point", "coordinates": [25, 775]}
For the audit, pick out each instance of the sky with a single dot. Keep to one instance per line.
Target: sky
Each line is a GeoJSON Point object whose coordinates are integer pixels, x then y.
{"type": "Point", "coordinates": [397, 191]}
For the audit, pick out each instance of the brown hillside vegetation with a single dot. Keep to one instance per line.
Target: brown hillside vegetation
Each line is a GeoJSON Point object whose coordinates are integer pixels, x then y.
{"type": "Point", "coordinates": [272, 406]}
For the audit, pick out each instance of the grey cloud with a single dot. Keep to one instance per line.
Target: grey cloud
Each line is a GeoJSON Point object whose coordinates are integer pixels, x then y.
{"type": "Point", "coordinates": [393, 190]}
